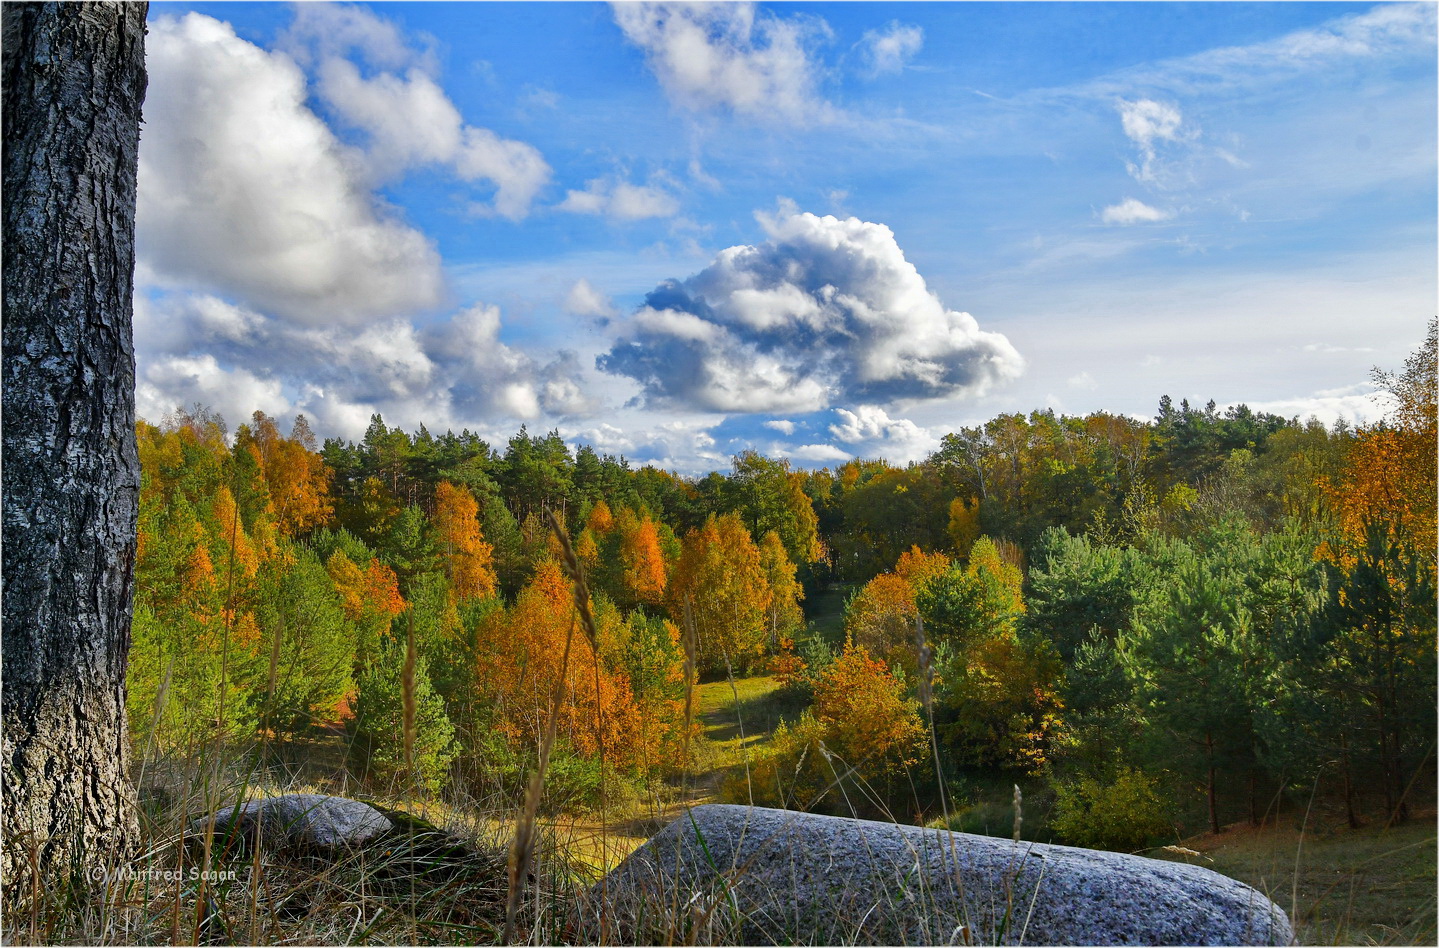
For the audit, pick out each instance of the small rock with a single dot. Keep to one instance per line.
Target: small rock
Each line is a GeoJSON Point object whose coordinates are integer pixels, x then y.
{"type": "Point", "coordinates": [750, 875]}
{"type": "Point", "coordinates": [305, 820]}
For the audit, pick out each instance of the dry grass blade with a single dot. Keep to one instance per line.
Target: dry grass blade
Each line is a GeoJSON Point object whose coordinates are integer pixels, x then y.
{"type": "Point", "coordinates": [691, 647]}
{"type": "Point", "coordinates": [522, 850]}
{"type": "Point", "coordinates": [575, 571]}
{"type": "Point", "coordinates": [407, 696]}
{"type": "Point", "coordinates": [926, 694]}
{"type": "Point", "coordinates": [571, 563]}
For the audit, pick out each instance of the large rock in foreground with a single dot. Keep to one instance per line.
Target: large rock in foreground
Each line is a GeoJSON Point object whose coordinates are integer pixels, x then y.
{"type": "Point", "coordinates": [751, 875]}
{"type": "Point", "coordinates": [303, 820]}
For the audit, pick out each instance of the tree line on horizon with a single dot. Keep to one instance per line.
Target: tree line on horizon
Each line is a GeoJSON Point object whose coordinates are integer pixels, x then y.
{"type": "Point", "coordinates": [1229, 602]}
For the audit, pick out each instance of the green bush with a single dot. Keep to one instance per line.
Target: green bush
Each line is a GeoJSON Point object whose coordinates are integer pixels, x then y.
{"type": "Point", "coordinates": [377, 746]}
{"type": "Point", "coordinates": [793, 773]}
{"type": "Point", "coordinates": [174, 695]}
{"type": "Point", "coordinates": [572, 782]}
{"type": "Point", "coordinates": [1125, 814]}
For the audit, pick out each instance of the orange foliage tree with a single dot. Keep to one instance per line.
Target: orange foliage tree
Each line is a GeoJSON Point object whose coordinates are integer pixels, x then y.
{"type": "Point", "coordinates": [1389, 481]}
{"type": "Point", "coordinates": [867, 718]}
{"type": "Point", "coordinates": [963, 524]}
{"type": "Point", "coordinates": [601, 519]}
{"type": "Point", "coordinates": [1384, 553]}
{"type": "Point", "coordinates": [369, 597]}
{"type": "Point", "coordinates": [722, 579]}
{"type": "Point", "coordinates": [232, 534]}
{"type": "Point", "coordinates": [299, 482]}
{"type": "Point", "coordinates": [784, 614]}
{"type": "Point", "coordinates": [881, 616]}
{"type": "Point", "coordinates": [862, 727]}
{"type": "Point", "coordinates": [466, 557]}
{"type": "Point", "coordinates": [520, 657]}
{"type": "Point", "coordinates": [641, 559]}
{"type": "Point", "coordinates": [622, 556]}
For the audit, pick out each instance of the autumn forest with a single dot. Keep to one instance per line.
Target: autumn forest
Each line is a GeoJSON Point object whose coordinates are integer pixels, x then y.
{"type": "Point", "coordinates": [1183, 621]}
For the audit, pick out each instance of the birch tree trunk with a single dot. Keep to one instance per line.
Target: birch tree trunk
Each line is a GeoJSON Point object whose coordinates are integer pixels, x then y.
{"type": "Point", "coordinates": [74, 80]}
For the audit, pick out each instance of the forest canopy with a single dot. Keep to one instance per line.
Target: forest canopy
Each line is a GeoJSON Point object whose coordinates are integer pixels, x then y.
{"type": "Point", "coordinates": [1105, 601]}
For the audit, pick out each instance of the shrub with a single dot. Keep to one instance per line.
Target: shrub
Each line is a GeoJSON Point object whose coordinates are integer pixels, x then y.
{"type": "Point", "coordinates": [572, 782]}
{"type": "Point", "coordinates": [867, 719]}
{"type": "Point", "coordinates": [796, 772]}
{"type": "Point", "coordinates": [850, 751]}
{"type": "Point", "coordinates": [377, 743]}
{"type": "Point", "coordinates": [1125, 814]}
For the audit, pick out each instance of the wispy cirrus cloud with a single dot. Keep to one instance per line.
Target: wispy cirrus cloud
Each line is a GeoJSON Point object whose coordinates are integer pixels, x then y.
{"type": "Point", "coordinates": [1152, 125]}
{"type": "Point", "coordinates": [1162, 105]}
{"type": "Point", "coordinates": [1386, 31]}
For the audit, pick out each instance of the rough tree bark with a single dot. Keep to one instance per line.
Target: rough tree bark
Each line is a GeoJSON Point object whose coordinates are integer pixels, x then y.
{"type": "Point", "coordinates": [74, 80]}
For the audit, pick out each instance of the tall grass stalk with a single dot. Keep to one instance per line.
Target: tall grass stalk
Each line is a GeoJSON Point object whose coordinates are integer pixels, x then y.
{"type": "Point", "coordinates": [574, 569]}
{"type": "Point", "coordinates": [1401, 806]}
{"type": "Point", "coordinates": [1299, 850]}
{"type": "Point", "coordinates": [407, 696]}
{"type": "Point", "coordinates": [690, 640]}
{"type": "Point", "coordinates": [926, 694]}
{"type": "Point", "coordinates": [739, 721]}
{"type": "Point", "coordinates": [523, 847]}
{"type": "Point", "coordinates": [204, 895]}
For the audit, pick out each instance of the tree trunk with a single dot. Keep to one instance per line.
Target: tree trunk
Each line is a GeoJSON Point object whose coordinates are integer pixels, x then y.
{"type": "Point", "coordinates": [74, 80]}
{"type": "Point", "coordinates": [1209, 786]}
{"type": "Point", "coordinates": [1349, 814]}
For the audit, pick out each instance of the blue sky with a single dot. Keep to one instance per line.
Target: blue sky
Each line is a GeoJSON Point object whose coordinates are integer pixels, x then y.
{"type": "Point", "coordinates": [819, 230]}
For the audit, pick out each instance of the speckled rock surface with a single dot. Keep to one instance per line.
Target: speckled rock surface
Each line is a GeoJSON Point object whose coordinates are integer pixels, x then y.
{"type": "Point", "coordinates": [299, 819]}
{"type": "Point", "coordinates": [751, 875]}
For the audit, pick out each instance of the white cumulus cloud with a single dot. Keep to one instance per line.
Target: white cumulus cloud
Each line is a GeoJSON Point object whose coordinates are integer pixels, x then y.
{"type": "Point", "coordinates": [182, 381]}
{"type": "Point", "coordinates": [454, 373]}
{"type": "Point", "coordinates": [411, 122]}
{"type": "Point", "coordinates": [825, 310]}
{"type": "Point", "coordinates": [1356, 404]}
{"type": "Point", "coordinates": [584, 300]}
{"type": "Point", "coordinates": [325, 30]}
{"type": "Point", "coordinates": [621, 200]}
{"type": "Point", "coordinates": [817, 452]}
{"type": "Point", "coordinates": [874, 434]}
{"type": "Point", "coordinates": [730, 56]}
{"type": "Point", "coordinates": [244, 191]}
{"type": "Point", "coordinates": [890, 50]}
{"type": "Point", "coordinates": [1132, 211]}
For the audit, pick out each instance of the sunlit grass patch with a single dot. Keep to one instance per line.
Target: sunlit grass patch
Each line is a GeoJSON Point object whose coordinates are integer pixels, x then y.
{"type": "Point", "coordinates": [1341, 886]}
